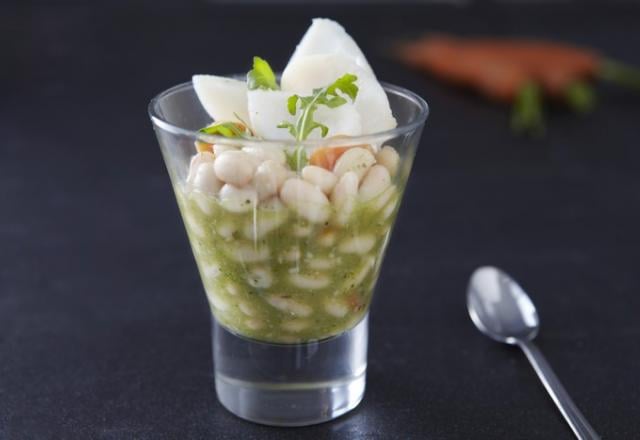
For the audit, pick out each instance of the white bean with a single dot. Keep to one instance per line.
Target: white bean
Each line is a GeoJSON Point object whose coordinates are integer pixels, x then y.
{"type": "Point", "coordinates": [260, 278]}
{"type": "Point", "coordinates": [320, 263]}
{"type": "Point", "coordinates": [360, 244]}
{"type": "Point", "coordinates": [196, 161]}
{"type": "Point", "coordinates": [210, 271]}
{"type": "Point", "coordinates": [389, 158]}
{"type": "Point", "coordinates": [217, 301]}
{"type": "Point", "coordinates": [233, 288]}
{"type": "Point", "coordinates": [308, 281]}
{"type": "Point", "coordinates": [335, 308]}
{"type": "Point", "coordinates": [253, 324]}
{"type": "Point", "coordinates": [238, 200]}
{"type": "Point", "coordinates": [318, 176]}
{"type": "Point", "coordinates": [357, 160]}
{"type": "Point", "coordinates": [362, 273]}
{"type": "Point", "coordinates": [246, 309]}
{"type": "Point", "coordinates": [226, 230]}
{"type": "Point", "coordinates": [295, 325]}
{"type": "Point", "coordinates": [389, 209]}
{"type": "Point", "coordinates": [374, 183]}
{"type": "Point", "coordinates": [380, 200]}
{"type": "Point", "coordinates": [244, 253]}
{"type": "Point", "coordinates": [267, 152]}
{"type": "Point", "coordinates": [344, 195]}
{"type": "Point", "coordinates": [218, 149]}
{"type": "Point", "coordinates": [263, 226]}
{"type": "Point", "coordinates": [206, 180]}
{"type": "Point", "coordinates": [289, 306]}
{"type": "Point", "coordinates": [269, 178]}
{"type": "Point", "coordinates": [235, 167]}
{"type": "Point", "coordinates": [342, 216]}
{"type": "Point", "coordinates": [307, 200]}
{"type": "Point", "coordinates": [346, 188]}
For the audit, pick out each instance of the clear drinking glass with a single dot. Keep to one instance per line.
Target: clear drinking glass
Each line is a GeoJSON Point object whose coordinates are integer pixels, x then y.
{"type": "Point", "coordinates": [289, 287]}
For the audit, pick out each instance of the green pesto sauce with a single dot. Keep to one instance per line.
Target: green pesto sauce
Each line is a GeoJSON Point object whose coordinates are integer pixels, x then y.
{"type": "Point", "coordinates": [233, 262]}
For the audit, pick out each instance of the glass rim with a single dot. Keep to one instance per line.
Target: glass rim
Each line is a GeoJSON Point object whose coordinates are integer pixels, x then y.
{"type": "Point", "coordinates": [380, 136]}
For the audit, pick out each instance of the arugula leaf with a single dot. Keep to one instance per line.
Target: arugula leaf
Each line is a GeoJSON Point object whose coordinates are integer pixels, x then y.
{"type": "Point", "coordinates": [346, 84]}
{"type": "Point", "coordinates": [306, 106]}
{"type": "Point", "coordinates": [289, 126]}
{"type": "Point", "coordinates": [227, 129]}
{"type": "Point", "coordinates": [261, 76]}
{"type": "Point", "coordinates": [297, 159]}
{"type": "Point", "coordinates": [292, 104]}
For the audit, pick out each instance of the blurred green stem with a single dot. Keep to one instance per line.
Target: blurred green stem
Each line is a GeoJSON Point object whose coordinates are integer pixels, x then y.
{"type": "Point", "coordinates": [620, 74]}
{"type": "Point", "coordinates": [526, 115]}
{"type": "Point", "coordinates": [580, 97]}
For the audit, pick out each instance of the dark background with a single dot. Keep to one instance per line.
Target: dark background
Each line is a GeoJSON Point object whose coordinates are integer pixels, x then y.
{"type": "Point", "coordinates": [104, 330]}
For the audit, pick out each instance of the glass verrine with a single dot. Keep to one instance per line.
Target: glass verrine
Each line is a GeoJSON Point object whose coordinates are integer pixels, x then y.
{"type": "Point", "coordinates": [289, 275]}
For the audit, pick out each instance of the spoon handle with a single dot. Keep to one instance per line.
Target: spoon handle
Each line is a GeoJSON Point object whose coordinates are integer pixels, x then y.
{"type": "Point", "coordinates": [581, 428]}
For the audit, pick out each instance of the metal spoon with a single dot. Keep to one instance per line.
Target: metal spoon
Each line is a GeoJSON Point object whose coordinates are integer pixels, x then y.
{"type": "Point", "coordinates": [502, 310]}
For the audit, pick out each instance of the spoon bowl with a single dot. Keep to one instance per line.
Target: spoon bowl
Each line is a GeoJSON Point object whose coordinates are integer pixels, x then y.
{"type": "Point", "coordinates": [500, 308]}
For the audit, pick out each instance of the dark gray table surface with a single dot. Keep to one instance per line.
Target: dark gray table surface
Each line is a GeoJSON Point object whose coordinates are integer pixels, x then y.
{"type": "Point", "coordinates": [104, 330]}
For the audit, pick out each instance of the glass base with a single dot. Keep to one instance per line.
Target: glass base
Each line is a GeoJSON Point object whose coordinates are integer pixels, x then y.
{"type": "Point", "coordinates": [290, 385]}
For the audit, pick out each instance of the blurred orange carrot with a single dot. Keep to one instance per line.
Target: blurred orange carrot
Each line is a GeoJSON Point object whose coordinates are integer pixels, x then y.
{"type": "Point", "coordinates": [499, 68]}
{"type": "Point", "coordinates": [517, 71]}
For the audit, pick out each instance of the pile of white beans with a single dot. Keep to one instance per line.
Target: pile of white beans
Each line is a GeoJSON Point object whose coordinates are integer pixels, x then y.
{"type": "Point", "coordinates": [243, 178]}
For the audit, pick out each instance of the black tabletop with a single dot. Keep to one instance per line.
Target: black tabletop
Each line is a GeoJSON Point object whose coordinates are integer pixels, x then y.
{"type": "Point", "coordinates": [104, 329]}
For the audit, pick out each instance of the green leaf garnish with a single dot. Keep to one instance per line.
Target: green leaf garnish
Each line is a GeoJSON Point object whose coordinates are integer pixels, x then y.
{"type": "Point", "coordinates": [297, 159]}
{"type": "Point", "coordinates": [261, 76]}
{"type": "Point", "coordinates": [306, 106]}
{"type": "Point", "coordinates": [228, 129]}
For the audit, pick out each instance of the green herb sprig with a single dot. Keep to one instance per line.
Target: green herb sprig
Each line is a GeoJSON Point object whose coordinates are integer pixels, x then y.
{"type": "Point", "coordinates": [296, 159]}
{"type": "Point", "coordinates": [228, 129]}
{"type": "Point", "coordinates": [306, 106]}
{"type": "Point", "coordinates": [261, 76]}
{"type": "Point", "coordinates": [327, 96]}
